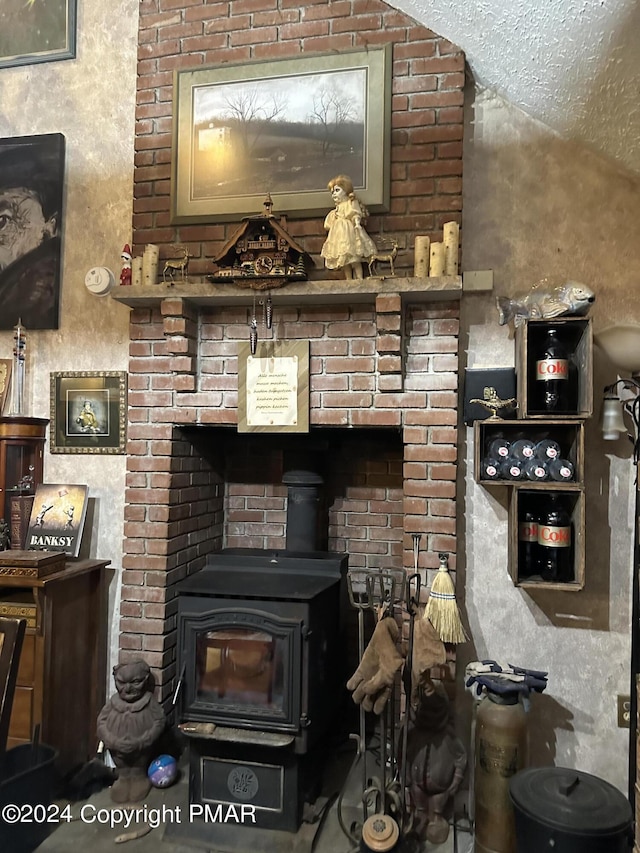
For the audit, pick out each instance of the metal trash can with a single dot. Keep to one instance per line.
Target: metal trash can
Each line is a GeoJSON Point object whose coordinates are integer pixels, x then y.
{"type": "Point", "coordinates": [568, 811]}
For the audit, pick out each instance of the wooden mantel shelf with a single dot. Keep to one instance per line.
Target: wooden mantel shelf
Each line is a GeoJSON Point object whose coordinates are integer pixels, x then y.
{"type": "Point", "coordinates": [320, 292]}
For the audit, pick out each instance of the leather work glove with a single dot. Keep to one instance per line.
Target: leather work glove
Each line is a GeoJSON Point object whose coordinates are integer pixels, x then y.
{"type": "Point", "coordinates": [372, 681]}
{"type": "Point", "coordinates": [428, 651]}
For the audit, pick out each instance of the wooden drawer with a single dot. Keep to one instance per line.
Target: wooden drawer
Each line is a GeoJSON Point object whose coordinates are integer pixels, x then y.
{"type": "Point", "coordinates": [27, 667]}
{"type": "Point", "coordinates": [20, 725]}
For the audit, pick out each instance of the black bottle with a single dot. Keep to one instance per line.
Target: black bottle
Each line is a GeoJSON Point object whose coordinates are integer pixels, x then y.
{"type": "Point", "coordinates": [547, 449]}
{"type": "Point", "coordinates": [536, 469]}
{"type": "Point", "coordinates": [528, 557]}
{"type": "Point", "coordinates": [561, 470]}
{"type": "Point", "coordinates": [499, 448]}
{"type": "Point", "coordinates": [551, 391]}
{"type": "Point", "coordinates": [512, 469]}
{"type": "Point", "coordinates": [555, 542]}
{"type": "Point", "coordinates": [490, 469]}
{"type": "Point", "coordinates": [523, 449]}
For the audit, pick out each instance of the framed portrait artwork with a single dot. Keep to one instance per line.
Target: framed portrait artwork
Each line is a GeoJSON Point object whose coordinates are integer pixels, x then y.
{"type": "Point", "coordinates": [36, 31]}
{"type": "Point", "coordinates": [31, 193]}
{"type": "Point", "coordinates": [88, 412]}
{"type": "Point", "coordinates": [284, 127]}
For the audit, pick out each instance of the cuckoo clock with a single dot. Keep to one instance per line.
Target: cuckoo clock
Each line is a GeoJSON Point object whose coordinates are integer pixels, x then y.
{"type": "Point", "coordinates": [261, 254]}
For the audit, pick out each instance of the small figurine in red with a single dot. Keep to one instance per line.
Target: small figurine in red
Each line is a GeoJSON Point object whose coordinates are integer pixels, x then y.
{"type": "Point", "coordinates": [125, 275]}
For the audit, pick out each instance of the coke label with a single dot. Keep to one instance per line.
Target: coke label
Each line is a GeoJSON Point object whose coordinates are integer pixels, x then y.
{"type": "Point", "coordinates": [552, 368]}
{"type": "Point", "coordinates": [528, 531]}
{"type": "Point", "coordinates": [554, 537]}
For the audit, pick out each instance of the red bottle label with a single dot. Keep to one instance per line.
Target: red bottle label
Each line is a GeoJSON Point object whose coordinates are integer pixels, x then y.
{"type": "Point", "coordinates": [528, 531]}
{"type": "Point", "coordinates": [554, 537]}
{"type": "Point", "coordinates": [552, 368]}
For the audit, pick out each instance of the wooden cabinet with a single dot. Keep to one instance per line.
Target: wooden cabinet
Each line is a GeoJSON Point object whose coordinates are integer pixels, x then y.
{"type": "Point", "coordinates": [62, 673]}
{"type": "Point", "coordinates": [534, 426]}
{"type": "Point", "coordinates": [21, 455]}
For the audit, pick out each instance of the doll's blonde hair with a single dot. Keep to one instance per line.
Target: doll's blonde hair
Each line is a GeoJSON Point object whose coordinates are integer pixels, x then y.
{"type": "Point", "coordinates": [342, 181]}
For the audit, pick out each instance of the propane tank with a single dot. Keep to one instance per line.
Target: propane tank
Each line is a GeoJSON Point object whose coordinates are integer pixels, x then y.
{"type": "Point", "coordinates": [501, 750]}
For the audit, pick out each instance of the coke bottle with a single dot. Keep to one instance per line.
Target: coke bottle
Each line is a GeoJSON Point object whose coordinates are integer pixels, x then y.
{"type": "Point", "coordinates": [512, 469]}
{"type": "Point", "coordinates": [523, 449]}
{"type": "Point", "coordinates": [490, 469]}
{"type": "Point", "coordinates": [499, 448]}
{"type": "Point", "coordinates": [528, 544]}
{"type": "Point", "coordinates": [555, 542]}
{"type": "Point", "coordinates": [561, 470]}
{"type": "Point", "coordinates": [536, 469]}
{"type": "Point", "coordinates": [547, 449]}
{"type": "Point", "coordinates": [551, 387]}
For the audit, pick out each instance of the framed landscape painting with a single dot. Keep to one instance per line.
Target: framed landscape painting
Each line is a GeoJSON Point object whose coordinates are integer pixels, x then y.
{"type": "Point", "coordinates": [36, 31]}
{"type": "Point", "coordinates": [284, 127]}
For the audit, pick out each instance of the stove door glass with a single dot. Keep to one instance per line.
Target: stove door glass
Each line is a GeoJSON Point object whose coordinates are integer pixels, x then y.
{"type": "Point", "coordinates": [241, 666]}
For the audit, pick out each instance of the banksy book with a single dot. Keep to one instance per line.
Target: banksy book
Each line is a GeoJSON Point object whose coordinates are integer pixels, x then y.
{"type": "Point", "coordinates": [57, 519]}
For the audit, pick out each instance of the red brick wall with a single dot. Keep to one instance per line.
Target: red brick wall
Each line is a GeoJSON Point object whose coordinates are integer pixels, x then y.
{"type": "Point", "coordinates": [387, 368]}
{"type": "Point", "coordinates": [426, 125]}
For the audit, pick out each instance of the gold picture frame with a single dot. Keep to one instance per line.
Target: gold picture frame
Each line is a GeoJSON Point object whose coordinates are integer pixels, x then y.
{"type": "Point", "coordinates": [284, 127]}
{"type": "Point", "coordinates": [88, 412]}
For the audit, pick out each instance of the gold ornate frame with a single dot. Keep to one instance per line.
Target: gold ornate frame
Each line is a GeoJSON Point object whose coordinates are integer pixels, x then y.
{"type": "Point", "coordinates": [88, 412]}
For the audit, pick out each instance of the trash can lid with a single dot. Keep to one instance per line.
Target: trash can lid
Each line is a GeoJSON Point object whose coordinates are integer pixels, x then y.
{"type": "Point", "coordinates": [570, 800]}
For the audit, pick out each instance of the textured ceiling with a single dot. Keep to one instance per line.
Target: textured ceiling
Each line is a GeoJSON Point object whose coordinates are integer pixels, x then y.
{"type": "Point", "coordinates": [572, 64]}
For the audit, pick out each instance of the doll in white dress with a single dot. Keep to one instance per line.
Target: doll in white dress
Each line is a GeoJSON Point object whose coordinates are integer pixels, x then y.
{"type": "Point", "coordinates": [347, 244]}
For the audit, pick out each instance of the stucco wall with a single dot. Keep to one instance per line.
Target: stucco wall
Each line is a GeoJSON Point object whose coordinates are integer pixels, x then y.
{"type": "Point", "coordinates": [537, 205]}
{"type": "Point", "coordinates": [91, 101]}
{"type": "Point", "coordinates": [534, 204]}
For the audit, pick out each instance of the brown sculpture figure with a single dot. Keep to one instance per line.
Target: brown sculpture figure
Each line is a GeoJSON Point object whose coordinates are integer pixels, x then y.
{"type": "Point", "coordinates": [436, 760]}
{"type": "Point", "coordinates": [129, 725]}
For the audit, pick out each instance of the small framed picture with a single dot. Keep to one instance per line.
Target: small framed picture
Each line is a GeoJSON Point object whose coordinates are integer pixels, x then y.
{"type": "Point", "coordinates": [88, 412]}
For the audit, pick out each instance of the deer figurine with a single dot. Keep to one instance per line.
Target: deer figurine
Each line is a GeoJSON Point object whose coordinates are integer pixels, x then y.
{"type": "Point", "coordinates": [384, 257]}
{"type": "Point", "coordinates": [174, 265]}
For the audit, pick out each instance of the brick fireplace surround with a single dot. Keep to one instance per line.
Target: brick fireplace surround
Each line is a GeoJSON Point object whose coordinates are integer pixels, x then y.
{"type": "Point", "coordinates": [383, 371]}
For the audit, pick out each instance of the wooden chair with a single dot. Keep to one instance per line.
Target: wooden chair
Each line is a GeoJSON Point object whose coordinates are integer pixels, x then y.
{"type": "Point", "coordinates": [11, 638]}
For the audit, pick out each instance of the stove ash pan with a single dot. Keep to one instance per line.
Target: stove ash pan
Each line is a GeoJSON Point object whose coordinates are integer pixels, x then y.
{"type": "Point", "coordinates": [260, 643]}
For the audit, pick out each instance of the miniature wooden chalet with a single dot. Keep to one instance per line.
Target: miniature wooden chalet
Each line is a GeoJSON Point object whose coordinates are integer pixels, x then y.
{"type": "Point", "coordinates": [261, 250]}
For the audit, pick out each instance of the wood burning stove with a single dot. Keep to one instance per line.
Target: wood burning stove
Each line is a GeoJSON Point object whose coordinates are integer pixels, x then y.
{"type": "Point", "coordinates": [261, 653]}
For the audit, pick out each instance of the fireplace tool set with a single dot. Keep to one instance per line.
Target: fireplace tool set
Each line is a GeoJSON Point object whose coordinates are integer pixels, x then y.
{"type": "Point", "coordinates": [386, 811]}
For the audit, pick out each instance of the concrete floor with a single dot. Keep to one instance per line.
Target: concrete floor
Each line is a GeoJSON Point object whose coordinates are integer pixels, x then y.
{"type": "Point", "coordinates": [164, 817]}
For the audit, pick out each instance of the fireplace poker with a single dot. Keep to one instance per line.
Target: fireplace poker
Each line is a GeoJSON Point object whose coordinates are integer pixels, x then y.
{"type": "Point", "coordinates": [361, 601]}
{"type": "Point", "coordinates": [412, 602]}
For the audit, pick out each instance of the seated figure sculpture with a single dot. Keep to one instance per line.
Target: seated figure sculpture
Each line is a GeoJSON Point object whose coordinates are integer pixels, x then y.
{"type": "Point", "coordinates": [129, 726]}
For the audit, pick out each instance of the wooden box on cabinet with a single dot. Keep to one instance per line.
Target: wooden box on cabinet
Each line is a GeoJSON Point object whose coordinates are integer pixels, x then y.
{"type": "Point", "coordinates": [568, 433]}
{"type": "Point", "coordinates": [62, 674]}
{"type": "Point", "coordinates": [573, 500]}
{"type": "Point", "coordinates": [577, 335]}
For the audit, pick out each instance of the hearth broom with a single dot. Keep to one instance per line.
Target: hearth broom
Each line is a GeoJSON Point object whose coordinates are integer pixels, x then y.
{"type": "Point", "coordinates": [442, 608]}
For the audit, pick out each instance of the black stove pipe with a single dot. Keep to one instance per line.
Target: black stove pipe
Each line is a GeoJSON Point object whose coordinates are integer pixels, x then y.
{"type": "Point", "coordinates": [302, 510]}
